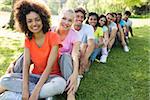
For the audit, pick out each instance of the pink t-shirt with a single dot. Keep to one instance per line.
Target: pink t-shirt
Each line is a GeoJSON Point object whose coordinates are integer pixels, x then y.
{"type": "Point", "coordinates": [70, 39]}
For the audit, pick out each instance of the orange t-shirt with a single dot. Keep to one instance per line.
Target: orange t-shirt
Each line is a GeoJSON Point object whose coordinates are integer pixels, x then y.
{"type": "Point", "coordinates": [39, 56]}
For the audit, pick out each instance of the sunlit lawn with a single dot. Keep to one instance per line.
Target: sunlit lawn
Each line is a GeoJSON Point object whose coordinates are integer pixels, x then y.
{"type": "Point", "coordinates": [124, 77]}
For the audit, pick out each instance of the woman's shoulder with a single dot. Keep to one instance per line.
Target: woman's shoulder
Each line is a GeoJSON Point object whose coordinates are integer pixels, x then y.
{"type": "Point", "coordinates": [52, 34]}
{"type": "Point", "coordinates": [105, 27]}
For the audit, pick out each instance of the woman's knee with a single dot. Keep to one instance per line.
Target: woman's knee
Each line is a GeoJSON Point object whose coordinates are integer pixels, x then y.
{"type": "Point", "coordinates": [56, 86]}
{"type": "Point", "coordinates": [8, 95]}
{"type": "Point", "coordinates": [4, 80]}
{"type": "Point", "coordinates": [11, 82]}
{"type": "Point", "coordinates": [60, 84]}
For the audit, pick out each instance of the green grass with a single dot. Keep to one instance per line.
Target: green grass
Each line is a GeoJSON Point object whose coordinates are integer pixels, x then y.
{"type": "Point", "coordinates": [124, 77]}
{"type": "Point", "coordinates": [10, 48]}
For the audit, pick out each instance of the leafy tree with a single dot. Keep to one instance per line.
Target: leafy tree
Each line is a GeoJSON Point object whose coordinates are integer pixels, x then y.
{"type": "Point", "coordinates": [71, 4]}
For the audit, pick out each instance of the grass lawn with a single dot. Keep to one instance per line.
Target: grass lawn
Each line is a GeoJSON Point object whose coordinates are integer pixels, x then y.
{"type": "Point", "coordinates": [124, 77]}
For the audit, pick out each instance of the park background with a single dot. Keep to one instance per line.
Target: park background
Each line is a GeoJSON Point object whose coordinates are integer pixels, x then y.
{"type": "Point", "coordinates": [126, 76]}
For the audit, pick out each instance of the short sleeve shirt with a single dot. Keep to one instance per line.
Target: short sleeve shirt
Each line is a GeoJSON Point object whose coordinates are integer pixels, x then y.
{"type": "Point", "coordinates": [70, 39]}
{"type": "Point", "coordinates": [39, 56]}
{"type": "Point", "coordinates": [129, 23]}
{"type": "Point", "coordinates": [99, 32]}
{"type": "Point", "coordinates": [86, 32]}
{"type": "Point", "coordinates": [112, 26]}
{"type": "Point", "coordinates": [122, 23]}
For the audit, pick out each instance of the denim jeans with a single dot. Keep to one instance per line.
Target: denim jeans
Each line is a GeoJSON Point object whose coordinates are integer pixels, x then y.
{"type": "Point", "coordinates": [66, 67]}
{"type": "Point", "coordinates": [94, 54]}
{"type": "Point", "coordinates": [13, 83]}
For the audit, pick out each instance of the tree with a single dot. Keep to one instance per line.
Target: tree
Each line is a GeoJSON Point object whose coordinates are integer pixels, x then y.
{"type": "Point", "coordinates": [71, 4]}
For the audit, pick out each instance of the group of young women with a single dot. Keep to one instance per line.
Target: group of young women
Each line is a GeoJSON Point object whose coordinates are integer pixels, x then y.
{"type": "Point", "coordinates": [59, 53]}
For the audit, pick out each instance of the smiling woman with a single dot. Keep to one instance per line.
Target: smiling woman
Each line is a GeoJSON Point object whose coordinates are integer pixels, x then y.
{"type": "Point", "coordinates": [32, 18]}
{"type": "Point", "coordinates": [69, 59]}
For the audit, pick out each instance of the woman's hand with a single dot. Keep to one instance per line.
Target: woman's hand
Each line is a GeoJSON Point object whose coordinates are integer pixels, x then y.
{"type": "Point", "coordinates": [34, 95]}
{"type": "Point", "coordinates": [71, 84]}
{"type": "Point", "coordinates": [10, 68]}
{"type": "Point", "coordinates": [25, 95]}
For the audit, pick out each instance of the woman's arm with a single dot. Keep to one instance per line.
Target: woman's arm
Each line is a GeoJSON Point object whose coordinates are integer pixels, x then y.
{"type": "Point", "coordinates": [52, 58]}
{"type": "Point", "coordinates": [26, 67]}
{"type": "Point", "coordinates": [75, 57]}
{"type": "Point", "coordinates": [106, 39]}
{"type": "Point", "coordinates": [88, 52]}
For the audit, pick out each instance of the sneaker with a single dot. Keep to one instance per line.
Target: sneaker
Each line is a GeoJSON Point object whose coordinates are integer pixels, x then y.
{"type": "Point", "coordinates": [126, 49]}
{"type": "Point", "coordinates": [49, 98]}
{"type": "Point", "coordinates": [78, 81]}
{"type": "Point", "coordinates": [103, 59]}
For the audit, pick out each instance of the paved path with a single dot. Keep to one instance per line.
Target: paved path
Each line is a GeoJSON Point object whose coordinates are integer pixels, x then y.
{"type": "Point", "coordinates": [140, 22]}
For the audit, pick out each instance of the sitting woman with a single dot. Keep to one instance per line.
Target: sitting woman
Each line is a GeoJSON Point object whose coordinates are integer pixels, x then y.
{"type": "Point", "coordinates": [69, 59]}
{"type": "Point", "coordinates": [41, 47]}
{"type": "Point", "coordinates": [101, 36]}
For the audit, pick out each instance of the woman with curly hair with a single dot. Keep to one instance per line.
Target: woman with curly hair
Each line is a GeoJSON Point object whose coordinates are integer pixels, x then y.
{"type": "Point", "coordinates": [41, 49]}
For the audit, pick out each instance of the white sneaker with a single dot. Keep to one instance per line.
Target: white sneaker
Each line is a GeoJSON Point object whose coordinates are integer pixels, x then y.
{"type": "Point", "coordinates": [103, 59]}
{"type": "Point", "coordinates": [78, 81]}
{"type": "Point", "coordinates": [49, 98]}
{"type": "Point", "coordinates": [126, 49]}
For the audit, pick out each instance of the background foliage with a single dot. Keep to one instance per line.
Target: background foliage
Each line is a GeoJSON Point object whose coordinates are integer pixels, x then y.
{"type": "Point", "coordinates": [138, 7]}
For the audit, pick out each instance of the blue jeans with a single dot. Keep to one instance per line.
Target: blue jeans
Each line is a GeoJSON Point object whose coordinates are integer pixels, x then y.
{"type": "Point", "coordinates": [13, 83]}
{"type": "Point", "coordinates": [66, 66]}
{"type": "Point", "coordinates": [94, 54]}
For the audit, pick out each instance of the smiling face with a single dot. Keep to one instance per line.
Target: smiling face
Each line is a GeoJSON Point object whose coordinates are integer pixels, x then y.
{"type": "Point", "coordinates": [119, 18]}
{"type": "Point", "coordinates": [34, 22]}
{"type": "Point", "coordinates": [92, 20]}
{"type": "Point", "coordinates": [79, 18]}
{"type": "Point", "coordinates": [109, 18]}
{"type": "Point", "coordinates": [102, 21]}
{"type": "Point", "coordinates": [66, 20]}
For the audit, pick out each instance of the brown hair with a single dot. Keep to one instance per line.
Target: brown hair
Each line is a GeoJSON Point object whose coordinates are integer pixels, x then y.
{"type": "Point", "coordinates": [24, 7]}
{"type": "Point", "coordinates": [80, 9]}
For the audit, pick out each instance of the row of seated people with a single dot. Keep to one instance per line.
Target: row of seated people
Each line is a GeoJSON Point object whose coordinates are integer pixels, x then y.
{"type": "Point", "coordinates": [81, 43]}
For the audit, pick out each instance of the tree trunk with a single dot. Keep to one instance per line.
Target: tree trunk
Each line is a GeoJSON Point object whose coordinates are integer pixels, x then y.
{"type": "Point", "coordinates": [11, 21]}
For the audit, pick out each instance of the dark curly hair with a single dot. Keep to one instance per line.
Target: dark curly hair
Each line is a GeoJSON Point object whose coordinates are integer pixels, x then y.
{"type": "Point", "coordinates": [92, 14]}
{"type": "Point", "coordinates": [24, 7]}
